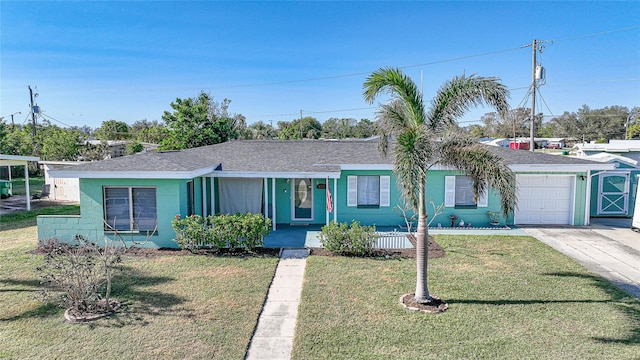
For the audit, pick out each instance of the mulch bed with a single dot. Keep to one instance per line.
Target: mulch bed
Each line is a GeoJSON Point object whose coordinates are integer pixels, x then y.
{"type": "Point", "coordinates": [435, 306]}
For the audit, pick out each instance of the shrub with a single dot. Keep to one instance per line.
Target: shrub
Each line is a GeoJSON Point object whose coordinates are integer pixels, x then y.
{"type": "Point", "coordinates": [77, 275]}
{"type": "Point", "coordinates": [346, 239]}
{"type": "Point", "coordinates": [243, 230]}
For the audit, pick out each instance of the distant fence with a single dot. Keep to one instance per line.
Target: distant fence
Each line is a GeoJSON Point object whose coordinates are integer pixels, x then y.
{"type": "Point", "coordinates": [392, 240]}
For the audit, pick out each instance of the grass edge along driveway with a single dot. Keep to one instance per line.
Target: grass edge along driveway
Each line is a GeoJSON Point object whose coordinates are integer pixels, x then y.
{"type": "Point", "coordinates": [509, 298]}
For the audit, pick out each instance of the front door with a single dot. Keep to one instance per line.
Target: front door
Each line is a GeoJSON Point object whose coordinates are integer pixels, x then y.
{"type": "Point", "coordinates": [302, 199]}
{"type": "Point", "coordinates": [613, 194]}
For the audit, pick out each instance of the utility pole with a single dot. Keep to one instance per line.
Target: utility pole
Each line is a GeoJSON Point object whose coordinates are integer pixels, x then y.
{"type": "Point", "coordinates": [33, 119]}
{"type": "Point", "coordinates": [534, 49]}
{"type": "Point", "coordinates": [12, 123]}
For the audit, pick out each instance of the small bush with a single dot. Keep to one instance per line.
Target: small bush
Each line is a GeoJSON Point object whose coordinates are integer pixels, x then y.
{"type": "Point", "coordinates": [243, 230]}
{"type": "Point", "coordinates": [78, 276]}
{"type": "Point", "coordinates": [346, 239]}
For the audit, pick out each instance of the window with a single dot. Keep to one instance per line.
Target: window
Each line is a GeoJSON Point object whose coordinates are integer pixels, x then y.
{"type": "Point", "coordinates": [191, 205]}
{"type": "Point", "coordinates": [368, 190]}
{"type": "Point", "coordinates": [459, 192]}
{"type": "Point", "coordinates": [130, 208]}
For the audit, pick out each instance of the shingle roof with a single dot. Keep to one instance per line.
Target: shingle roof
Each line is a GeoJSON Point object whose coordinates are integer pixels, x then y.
{"type": "Point", "coordinates": [285, 156]}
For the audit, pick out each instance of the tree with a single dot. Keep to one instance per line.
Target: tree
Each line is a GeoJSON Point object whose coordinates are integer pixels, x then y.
{"type": "Point", "coordinates": [305, 128]}
{"type": "Point", "coordinates": [149, 131]}
{"type": "Point", "coordinates": [60, 144]}
{"type": "Point", "coordinates": [259, 131]}
{"type": "Point", "coordinates": [199, 121]}
{"type": "Point", "coordinates": [417, 130]}
{"type": "Point", "coordinates": [113, 130]}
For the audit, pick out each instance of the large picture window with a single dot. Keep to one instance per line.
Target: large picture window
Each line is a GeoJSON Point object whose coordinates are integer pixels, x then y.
{"type": "Point", "coordinates": [130, 208]}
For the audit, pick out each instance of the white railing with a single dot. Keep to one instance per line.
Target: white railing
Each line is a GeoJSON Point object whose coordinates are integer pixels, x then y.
{"type": "Point", "coordinates": [392, 240]}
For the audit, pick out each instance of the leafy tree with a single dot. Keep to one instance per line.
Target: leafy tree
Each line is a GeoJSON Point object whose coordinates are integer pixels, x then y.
{"type": "Point", "coordinates": [199, 121]}
{"type": "Point", "coordinates": [134, 147]}
{"type": "Point", "coordinates": [113, 130]}
{"type": "Point", "coordinates": [60, 144]}
{"type": "Point", "coordinates": [364, 128]}
{"type": "Point", "coordinates": [259, 131]}
{"type": "Point", "coordinates": [307, 127]}
{"type": "Point", "coordinates": [149, 131]}
{"type": "Point", "coordinates": [417, 130]}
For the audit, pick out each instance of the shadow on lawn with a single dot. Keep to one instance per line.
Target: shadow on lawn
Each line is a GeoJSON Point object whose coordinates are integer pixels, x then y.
{"type": "Point", "coordinates": [625, 303]}
{"type": "Point", "coordinates": [129, 286]}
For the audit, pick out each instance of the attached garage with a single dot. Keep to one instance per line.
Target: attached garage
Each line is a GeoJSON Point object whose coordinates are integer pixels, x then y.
{"type": "Point", "coordinates": [545, 199]}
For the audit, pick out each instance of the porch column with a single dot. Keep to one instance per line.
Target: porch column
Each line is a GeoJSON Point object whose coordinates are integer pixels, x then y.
{"type": "Point", "coordinates": [326, 199]}
{"type": "Point", "coordinates": [204, 197]}
{"type": "Point", "coordinates": [213, 195]}
{"type": "Point", "coordinates": [266, 198]}
{"type": "Point", "coordinates": [273, 204]}
{"type": "Point", "coordinates": [587, 203]}
{"type": "Point", "coordinates": [26, 184]}
{"type": "Point", "coordinates": [335, 199]}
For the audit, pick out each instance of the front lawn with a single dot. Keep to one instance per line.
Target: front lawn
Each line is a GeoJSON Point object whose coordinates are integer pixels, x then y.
{"type": "Point", "coordinates": [176, 307]}
{"type": "Point", "coordinates": [509, 298]}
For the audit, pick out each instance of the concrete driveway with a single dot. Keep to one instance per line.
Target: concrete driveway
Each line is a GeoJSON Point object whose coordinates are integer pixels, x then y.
{"type": "Point", "coordinates": [608, 248]}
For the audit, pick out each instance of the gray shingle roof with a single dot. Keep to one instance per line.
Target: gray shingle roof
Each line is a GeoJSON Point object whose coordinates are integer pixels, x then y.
{"type": "Point", "coordinates": [287, 156]}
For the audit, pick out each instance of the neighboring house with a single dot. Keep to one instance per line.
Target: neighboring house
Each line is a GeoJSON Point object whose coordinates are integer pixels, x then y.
{"type": "Point", "coordinates": [287, 181]}
{"type": "Point", "coordinates": [66, 189]}
{"type": "Point", "coordinates": [118, 148]}
{"type": "Point", "coordinates": [626, 148]}
{"type": "Point", "coordinates": [613, 192]}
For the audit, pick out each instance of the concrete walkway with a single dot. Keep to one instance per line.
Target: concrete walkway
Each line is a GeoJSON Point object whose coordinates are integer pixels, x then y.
{"type": "Point", "coordinates": [611, 252]}
{"type": "Point", "coordinates": [273, 338]}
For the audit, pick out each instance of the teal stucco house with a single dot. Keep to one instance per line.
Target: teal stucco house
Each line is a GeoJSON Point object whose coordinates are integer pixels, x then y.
{"type": "Point", "coordinates": [302, 183]}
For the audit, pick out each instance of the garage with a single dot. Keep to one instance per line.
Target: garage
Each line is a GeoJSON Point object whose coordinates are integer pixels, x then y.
{"type": "Point", "coordinates": [545, 199]}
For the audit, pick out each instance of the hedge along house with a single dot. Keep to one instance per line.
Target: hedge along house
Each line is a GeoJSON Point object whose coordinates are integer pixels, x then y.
{"type": "Point", "coordinates": [300, 183]}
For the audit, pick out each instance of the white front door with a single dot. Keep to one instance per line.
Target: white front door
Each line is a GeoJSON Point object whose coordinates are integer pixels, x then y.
{"type": "Point", "coordinates": [613, 194]}
{"type": "Point", "coordinates": [302, 199]}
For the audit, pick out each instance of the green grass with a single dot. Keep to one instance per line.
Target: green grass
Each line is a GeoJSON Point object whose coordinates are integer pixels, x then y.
{"type": "Point", "coordinates": [22, 219]}
{"type": "Point", "coordinates": [19, 188]}
{"type": "Point", "coordinates": [509, 298]}
{"type": "Point", "coordinates": [177, 307]}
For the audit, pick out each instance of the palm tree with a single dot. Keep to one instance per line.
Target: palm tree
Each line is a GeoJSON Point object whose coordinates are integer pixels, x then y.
{"type": "Point", "coordinates": [423, 138]}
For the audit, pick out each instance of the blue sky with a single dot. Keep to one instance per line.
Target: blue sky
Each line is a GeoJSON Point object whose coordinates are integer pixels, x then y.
{"type": "Point", "coordinates": [95, 61]}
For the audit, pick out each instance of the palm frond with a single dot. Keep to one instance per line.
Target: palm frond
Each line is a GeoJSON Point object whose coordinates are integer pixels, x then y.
{"type": "Point", "coordinates": [458, 95]}
{"type": "Point", "coordinates": [487, 169]}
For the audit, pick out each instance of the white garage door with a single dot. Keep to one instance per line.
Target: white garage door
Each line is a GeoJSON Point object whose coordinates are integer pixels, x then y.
{"type": "Point", "coordinates": [545, 199]}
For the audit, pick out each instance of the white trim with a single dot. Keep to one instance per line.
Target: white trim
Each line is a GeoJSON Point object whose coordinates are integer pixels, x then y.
{"type": "Point", "coordinates": [280, 175]}
{"type": "Point", "coordinates": [203, 185]}
{"type": "Point", "coordinates": [483, 199]}
{"type": "Point", "coordinates": [560, 167]}
{"type": "Point", "coordinates": [266, 199]}
{"type": "Point", "coordinates": [6, 159]}
{"type": "Point", "coordinates": [335, 200]}
{"type": "Point", "coordinates": [363, 166]}
{"type": "Point", "coordinates": [625, 194]}
{"type": "Point", "coordinates": [142, 174]}
{"type": "Point", "coordinates": [273, 204]}
{"type": "Point", "coordinates": [26, 185]}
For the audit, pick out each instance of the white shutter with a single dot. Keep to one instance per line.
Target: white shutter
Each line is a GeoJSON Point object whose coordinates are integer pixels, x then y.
{"type": "Point", "coordinates": [483, 199]}
{"type": "Point", "coordinates": [385, 190]}
{"type": "Point", "coordinates": [352, 191]}
{"type": "Point", "coordinates": [449, 191]}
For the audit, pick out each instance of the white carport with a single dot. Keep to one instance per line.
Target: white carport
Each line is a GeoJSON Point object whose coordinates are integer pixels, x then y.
{"type": "Point", "coordinates": [17, 160]}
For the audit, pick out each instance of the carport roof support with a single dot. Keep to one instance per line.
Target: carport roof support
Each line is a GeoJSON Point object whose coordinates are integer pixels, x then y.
{"type": "Point", "coordinates": [17, 160]}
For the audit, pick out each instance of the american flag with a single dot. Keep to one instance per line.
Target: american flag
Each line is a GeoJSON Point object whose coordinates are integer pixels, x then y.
{"type": "Point", "coordinates": [329, 199]}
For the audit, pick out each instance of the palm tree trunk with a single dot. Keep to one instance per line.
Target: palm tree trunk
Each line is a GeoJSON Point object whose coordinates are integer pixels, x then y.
{"type": "Point", "coordinates": [422, 249]}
